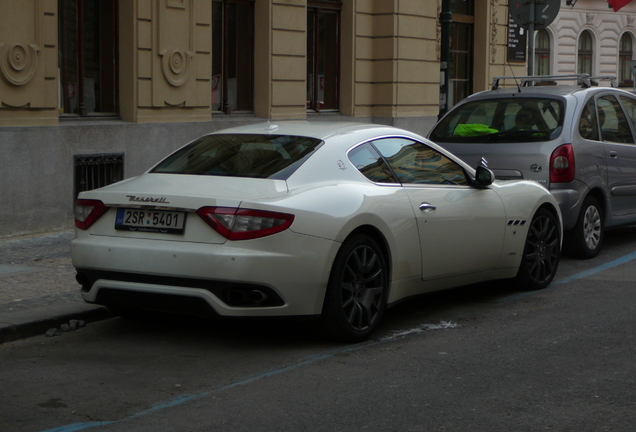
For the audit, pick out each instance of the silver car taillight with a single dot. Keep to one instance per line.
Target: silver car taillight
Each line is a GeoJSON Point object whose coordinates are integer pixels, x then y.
{"type": "Point", "coordinates": [562, 164]}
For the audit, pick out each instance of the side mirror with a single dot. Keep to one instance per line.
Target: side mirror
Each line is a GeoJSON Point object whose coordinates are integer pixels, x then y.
{"type": "Point", "coordinates": [483, 176]}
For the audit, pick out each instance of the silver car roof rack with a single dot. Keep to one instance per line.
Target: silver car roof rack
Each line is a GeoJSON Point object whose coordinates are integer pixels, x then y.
{"type": "Point", "coordinates": [530, 80]}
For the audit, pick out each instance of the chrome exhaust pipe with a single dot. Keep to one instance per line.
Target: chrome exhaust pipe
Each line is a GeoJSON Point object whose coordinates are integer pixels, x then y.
{"type": "Point", "coordinates": [256, 296]}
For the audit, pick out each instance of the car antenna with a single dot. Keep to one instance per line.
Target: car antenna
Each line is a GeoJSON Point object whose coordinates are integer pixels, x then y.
{"type": "Point", "coordinates": [513, 75]}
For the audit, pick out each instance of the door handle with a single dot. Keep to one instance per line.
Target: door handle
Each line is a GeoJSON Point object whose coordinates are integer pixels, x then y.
{"type": "Point", "coordinates": [427, 208]}
{"type": "Point", "coordinates": [613, 154]}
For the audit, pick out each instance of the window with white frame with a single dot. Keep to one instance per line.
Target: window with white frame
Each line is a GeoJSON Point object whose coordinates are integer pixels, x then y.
{"type": "Point", "coordinates": [625, 52]}
{"type": "Point", "coordinates": [542, 53]}
{"type": "Point", "coordinates": [585, 55]}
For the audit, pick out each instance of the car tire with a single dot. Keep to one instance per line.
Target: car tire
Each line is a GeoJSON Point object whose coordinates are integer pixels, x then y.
{"type": "Point", "coordinates": [585, 240]}
{"type": "Point", "coordinates": [357, 292]}
{"type": "Point", "coordinates": [541, 252]}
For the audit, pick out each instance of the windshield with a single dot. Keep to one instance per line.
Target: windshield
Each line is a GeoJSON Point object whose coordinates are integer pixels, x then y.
{"type": "Point", "coordinates": [240, 155]}
{"type": "Point", "coordinates": [508, 120]}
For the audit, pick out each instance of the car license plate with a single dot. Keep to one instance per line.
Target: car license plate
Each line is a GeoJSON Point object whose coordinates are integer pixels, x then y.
{"type": "Point", "coordinates": [158, 221]}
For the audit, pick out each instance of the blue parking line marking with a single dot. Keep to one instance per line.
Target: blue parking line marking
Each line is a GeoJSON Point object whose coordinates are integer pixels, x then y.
{"type": "Point", "coordinates": [606, 266]}
{"type": "Point", "coordinates": [185, 398]}
{"type": "Point", "coordinates": [78, 426]}
{"type": "Point", "coordinates": [256, 377]}
{"type": "Point", "coordinates": [581, 275]}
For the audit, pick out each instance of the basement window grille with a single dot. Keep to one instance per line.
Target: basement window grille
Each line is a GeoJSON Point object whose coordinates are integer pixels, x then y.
{"type": "Point", "coordinates": [98, 170]}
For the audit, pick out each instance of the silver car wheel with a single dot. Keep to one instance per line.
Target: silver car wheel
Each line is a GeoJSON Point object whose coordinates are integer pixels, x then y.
{"type": "Point", "coordinates": [592, 227]}
{"type": "Point", "coordinates": [586, 238]}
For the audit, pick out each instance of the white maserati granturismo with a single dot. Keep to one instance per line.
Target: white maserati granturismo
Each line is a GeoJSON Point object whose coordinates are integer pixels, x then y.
{"type": "Point", "coordinates": [336, 221]}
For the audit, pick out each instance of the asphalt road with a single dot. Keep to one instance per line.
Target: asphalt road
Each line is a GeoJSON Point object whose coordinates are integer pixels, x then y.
{"type": "Point", "coordinates": [479, 358]}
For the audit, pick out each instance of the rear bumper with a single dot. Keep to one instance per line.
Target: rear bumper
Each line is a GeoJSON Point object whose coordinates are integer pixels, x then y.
{"type": "Point", "coordinates": [292, 270]}
{"type": "Point", "coordinates": [570, 201]}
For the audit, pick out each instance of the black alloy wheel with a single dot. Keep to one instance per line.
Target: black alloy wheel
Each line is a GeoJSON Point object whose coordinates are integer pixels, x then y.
{"type": "Point", "coordinates": [357, 292]}
{"type": "Point", "coordinates": [541, 253]}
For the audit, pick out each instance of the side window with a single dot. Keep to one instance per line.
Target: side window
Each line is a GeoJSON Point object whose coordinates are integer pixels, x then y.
{"type": "Point", "coordinates": [414, 162]}
{"type": "Point", "coordinates": [367, 160]}
{"type": "Point", "coordinates": [612, 121]}
{"type": "Point", "coordinates": [588, 127]}
{"type": "Point", "coordinates": [630, 108]}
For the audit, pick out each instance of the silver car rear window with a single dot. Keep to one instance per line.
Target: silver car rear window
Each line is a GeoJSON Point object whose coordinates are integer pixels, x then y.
{"type": "Point", "coordinates": [241, 155]}
{"type": "Point", "coordinates": [505, 120]}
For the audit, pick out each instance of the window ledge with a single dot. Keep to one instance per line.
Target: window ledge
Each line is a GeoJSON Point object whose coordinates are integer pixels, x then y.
{"type": "Point", "coordinates": [74, 118]}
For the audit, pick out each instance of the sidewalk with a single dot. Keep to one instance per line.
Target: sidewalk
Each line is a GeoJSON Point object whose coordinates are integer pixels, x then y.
{"type": "Point", "coordinates": [38, 290]}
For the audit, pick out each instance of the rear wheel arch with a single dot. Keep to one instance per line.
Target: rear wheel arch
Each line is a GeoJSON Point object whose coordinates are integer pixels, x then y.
{"type": "Point", "coordinates": [380, 239]}
{"type": "Point", "coordinates": [358, 289]}
{"type": "Point", "coordinates": [586, 239]}
{"type": "Point", "coordinates": [598, 194]}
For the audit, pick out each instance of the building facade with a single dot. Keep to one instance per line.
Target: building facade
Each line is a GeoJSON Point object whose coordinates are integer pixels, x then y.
{"type": "Point", "coordinates": [587, 36]}
{"type": "Point", "coordinates": [93, 91]}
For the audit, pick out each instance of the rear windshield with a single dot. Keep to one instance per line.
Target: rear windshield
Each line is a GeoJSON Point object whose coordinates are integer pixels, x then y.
{"type": "Point", "coordinates": [507, 120]}
{"type": "Point", "coordinates": [241, 155]}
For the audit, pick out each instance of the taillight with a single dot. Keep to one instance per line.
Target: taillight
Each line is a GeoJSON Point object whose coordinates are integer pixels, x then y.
{"type": "Point", "coordinates": [87, 212]}
{"type": "Point", "coordinates": [244, 224]}
{"type": "Point", "coordinates": [562, 164]}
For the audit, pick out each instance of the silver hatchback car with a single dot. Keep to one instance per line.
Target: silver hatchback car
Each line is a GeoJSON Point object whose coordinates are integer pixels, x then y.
{"type": "Point", "coordinates": [577, 140]}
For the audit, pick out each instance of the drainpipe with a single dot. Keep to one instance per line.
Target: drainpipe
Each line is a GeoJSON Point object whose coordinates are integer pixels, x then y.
{"type": "Point", "coordinates": [445, 19]}
{"type": "Point", "coordinates": [81, 109]}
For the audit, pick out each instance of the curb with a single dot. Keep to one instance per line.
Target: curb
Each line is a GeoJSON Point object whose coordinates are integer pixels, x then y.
{"type": "Point", "coordinates": [38, 325]}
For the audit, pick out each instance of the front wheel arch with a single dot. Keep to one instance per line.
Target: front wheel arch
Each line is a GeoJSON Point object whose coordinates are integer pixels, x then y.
{"type": "Point", "coordinates": [542, 250]}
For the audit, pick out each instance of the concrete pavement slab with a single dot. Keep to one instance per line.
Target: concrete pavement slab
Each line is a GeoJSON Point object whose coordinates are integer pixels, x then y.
{"type": "Point", "coordinates": [37, 286]}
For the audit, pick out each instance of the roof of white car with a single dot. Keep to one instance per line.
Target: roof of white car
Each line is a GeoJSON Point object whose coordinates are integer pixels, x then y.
{"type": "Point", "coordinates": [317, 129]}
